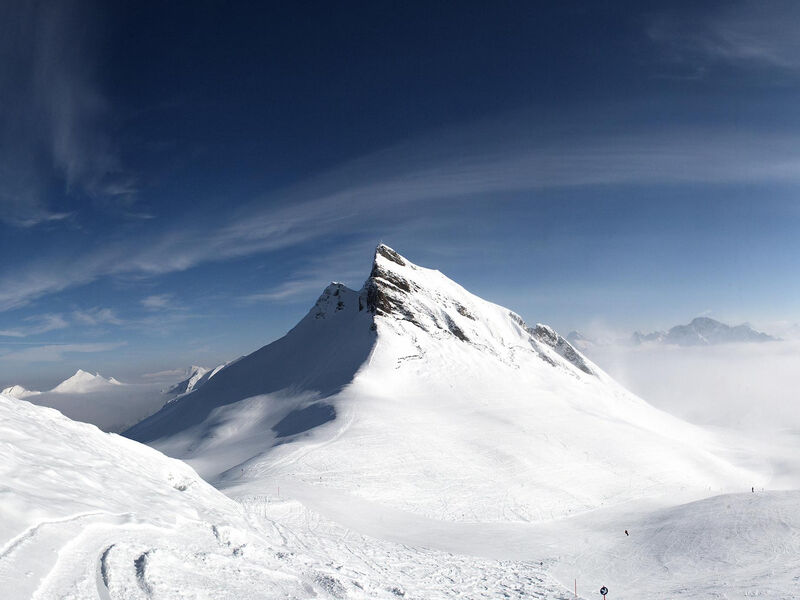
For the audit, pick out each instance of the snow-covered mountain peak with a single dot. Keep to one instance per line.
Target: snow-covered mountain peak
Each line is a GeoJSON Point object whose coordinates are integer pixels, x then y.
{"type": "Point", "coordinates": [83, 381]}
{"type": "Point", "coordinates": [417, 394]}
{"type": "Point", "coordinates": [400, 291]}
{"type": "Point", "coordinates": [335, 299]}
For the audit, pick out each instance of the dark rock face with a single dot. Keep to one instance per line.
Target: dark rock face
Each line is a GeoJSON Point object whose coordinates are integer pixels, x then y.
{"type": "Point", "coordinates": [389, 294]}
{"type": "Point", "coordinates": [464, 312]}
{"type": "Point", "coordinates": [545, 335]}
{"type": "Point", "coordinates": [390, 254]}
{"type": "Point", "coordinates": [386, 292]}
{"type": "Point", "coordinates": [455, 329]}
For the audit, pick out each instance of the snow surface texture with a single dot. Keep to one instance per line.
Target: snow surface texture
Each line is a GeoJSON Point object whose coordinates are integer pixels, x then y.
{"type": "Point", "coordinates": [418, 395]}
{"type": "Point", "coordinates": [88, 515]}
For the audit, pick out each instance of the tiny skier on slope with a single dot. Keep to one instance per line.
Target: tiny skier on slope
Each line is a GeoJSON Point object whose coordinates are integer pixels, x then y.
{"type": "Point", "coordinates": [626, 532]}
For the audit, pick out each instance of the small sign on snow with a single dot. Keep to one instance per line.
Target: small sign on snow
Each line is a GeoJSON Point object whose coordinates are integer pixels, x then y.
{"type": "Point", "coordinates": [603, 591]}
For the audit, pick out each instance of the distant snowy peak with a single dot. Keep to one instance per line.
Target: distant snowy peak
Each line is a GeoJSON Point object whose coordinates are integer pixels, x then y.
{"type": "Point", "coordinates": [194, 374]}
{"type": "Point", "coordinates": [83, 382]}
{"type": "Point", "coordinates": [19, 392]}
{"type": "Point", "coordinates": [196, 378]}
{"type": "Point", "coordinates": [703, 331]}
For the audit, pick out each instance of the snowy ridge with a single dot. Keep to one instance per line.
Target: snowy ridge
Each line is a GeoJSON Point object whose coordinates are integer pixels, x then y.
{"type": "Point", "coordinates": [194, 374]}
{"type": "Point", "coordinates": [420, 396]}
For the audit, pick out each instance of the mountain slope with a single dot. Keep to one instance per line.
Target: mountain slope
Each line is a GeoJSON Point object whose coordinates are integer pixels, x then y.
{"type": "Point", "coordinates": [85, 514]}
{"type": "Point", "coordinates": [418, 395]}
{"type": "Point", "coordinates": [92, 515]}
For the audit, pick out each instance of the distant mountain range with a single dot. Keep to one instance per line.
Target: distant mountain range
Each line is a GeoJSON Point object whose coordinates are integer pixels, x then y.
{"type": "Point", "coordinates": [702, 331]}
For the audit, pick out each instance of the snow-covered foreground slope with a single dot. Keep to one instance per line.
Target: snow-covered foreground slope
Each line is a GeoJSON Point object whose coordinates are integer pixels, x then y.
{"type": "Point", "coordinates": [420, 396]}
{"type": "Point", "coordinates": [87, 515]}
{"type": "Point", "coordinates": [729, 546]}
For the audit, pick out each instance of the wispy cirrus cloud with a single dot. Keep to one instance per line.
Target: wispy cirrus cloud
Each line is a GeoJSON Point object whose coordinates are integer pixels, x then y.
{"type": "Point", "coordinates": [169, 374]}
{"type": "Point", "coordinates": [157, 302]}
{"type": "Point", "coordinates": [742, 33]}
{"type": "Point", "coordinates": [55, 352]}
{"type": "Point", "coordinates": [515, 154]}
{"type": "Point", "coordinates": [348, 263]}
{"type": "Point", "coordinates": [36, 325]}
{"type": "Point", "coordinates": [53, 122]}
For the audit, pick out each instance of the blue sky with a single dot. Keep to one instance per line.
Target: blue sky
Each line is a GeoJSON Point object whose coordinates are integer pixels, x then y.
{"type": "Point", "coordinates": [178, 182]}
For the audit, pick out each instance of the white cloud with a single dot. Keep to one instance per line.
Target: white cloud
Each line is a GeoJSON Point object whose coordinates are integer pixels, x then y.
{"type": "Point", "coordinates": [96, 316]}
{"type": "Point", "coordinates": [56, 352]}
{"type": "Point", "coordinates": [40, 324]}
{"type": "Point", "coordinates": [748, 387]}
{"type": "Point", "coordinates": [742, 33]}
{"type": "Point", "coordinates": [349, 264]}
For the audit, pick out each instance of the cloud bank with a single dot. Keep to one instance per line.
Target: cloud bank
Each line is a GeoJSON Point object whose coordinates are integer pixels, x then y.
{"type": "Point", "coordinates": [746, 387]}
